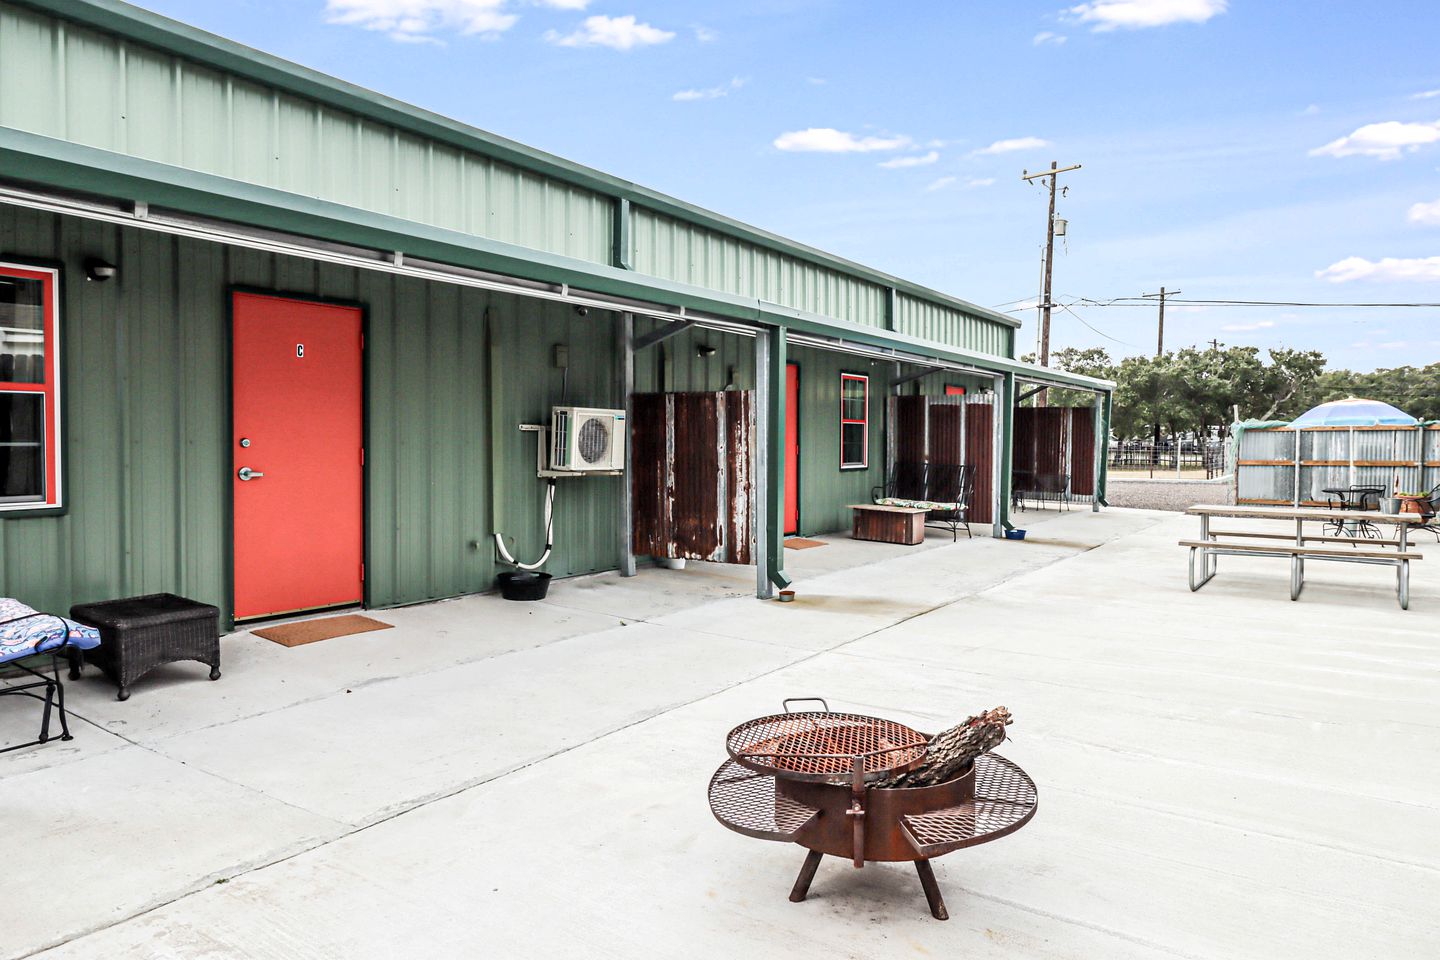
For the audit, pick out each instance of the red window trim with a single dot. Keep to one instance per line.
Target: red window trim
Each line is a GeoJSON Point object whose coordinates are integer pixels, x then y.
{"type": "Point", "coordinates": [954, 390]}
{"type": "Point", "coordinates": [49, 278]}
{"type": "Point", "coordinates": [864, 464]}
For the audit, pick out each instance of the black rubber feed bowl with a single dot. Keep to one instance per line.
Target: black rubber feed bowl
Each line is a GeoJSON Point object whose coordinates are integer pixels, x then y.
{"type": "Point", "coordinates": [523, 585]}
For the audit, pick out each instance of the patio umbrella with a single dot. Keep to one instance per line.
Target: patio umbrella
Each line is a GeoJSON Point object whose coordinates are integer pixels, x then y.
{"type": "Point", "coordinates": [1353, 412]}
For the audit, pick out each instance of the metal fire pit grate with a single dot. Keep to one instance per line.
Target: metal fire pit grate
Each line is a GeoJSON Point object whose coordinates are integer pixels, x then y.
{"type": "Point", "coordinates": [824, 746]}
{"type": "Point", "coordinates": [1005, 800]}
{"type": "Point", "coordinates": [746, 802]}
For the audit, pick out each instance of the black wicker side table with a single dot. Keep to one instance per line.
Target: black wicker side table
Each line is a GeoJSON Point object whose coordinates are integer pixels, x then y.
{"type": "Point", "coordinates": [138, 634]}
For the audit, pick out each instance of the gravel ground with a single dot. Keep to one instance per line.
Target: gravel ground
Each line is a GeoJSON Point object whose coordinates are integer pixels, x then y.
{"type": "Point", "coordinates": [1169, 494]}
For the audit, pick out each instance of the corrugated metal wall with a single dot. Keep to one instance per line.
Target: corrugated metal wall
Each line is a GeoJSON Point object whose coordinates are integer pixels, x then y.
{"type": "Point", "coordinates": [1334, 457]}
{"type": "Point", "coordinates": [146, 362]}
{"type": "Point", "coordinates": [934, 321]}
{"type": "Point", "coordinates": [66, 81]}
{"type": "Point", "coordinates": [675, 250]}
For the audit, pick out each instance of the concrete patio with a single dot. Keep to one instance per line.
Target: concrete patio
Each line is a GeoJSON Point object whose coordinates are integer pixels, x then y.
{"type": "Point", "coordinates": [1224, 774]}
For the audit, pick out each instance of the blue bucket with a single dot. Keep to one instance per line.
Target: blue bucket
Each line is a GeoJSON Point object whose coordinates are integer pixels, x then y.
{"type": "Point", "coordinates": [1014, 534]}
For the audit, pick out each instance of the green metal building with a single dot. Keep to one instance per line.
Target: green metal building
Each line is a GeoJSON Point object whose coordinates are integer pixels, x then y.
{"type": "Point", "coordinates": [150, 171]}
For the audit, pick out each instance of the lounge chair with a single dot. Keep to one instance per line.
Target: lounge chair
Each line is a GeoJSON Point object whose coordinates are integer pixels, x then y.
{"type": "Point", "coordinates": [26, 633]}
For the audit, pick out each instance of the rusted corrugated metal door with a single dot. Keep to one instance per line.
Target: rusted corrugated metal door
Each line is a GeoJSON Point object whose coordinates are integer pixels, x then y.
{"type": "Point", "coordinates": [691, 475]}
{"type": "Point", "coordinates": [947, 430]}
{"type": "Point", "coordinates": [1082, 451]}
{"type": "Point", "coordinates": [980, 451]}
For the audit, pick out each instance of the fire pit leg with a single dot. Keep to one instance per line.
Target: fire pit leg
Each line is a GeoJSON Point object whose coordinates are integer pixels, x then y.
{"type": "Point", "coordinates": [807, 873]}
{"type": "Point", "coordinates": [932, 890]}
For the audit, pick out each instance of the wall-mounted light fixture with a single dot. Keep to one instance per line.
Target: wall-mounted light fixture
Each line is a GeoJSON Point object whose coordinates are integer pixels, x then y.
{"type": "Point", "coordinates": [705, 350]}
{"type": "Point", "coordinates": [100, 270]}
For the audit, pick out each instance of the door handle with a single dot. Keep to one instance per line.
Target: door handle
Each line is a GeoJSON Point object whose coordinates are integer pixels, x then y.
{"type": "Point", "coordinates": [246, 473]}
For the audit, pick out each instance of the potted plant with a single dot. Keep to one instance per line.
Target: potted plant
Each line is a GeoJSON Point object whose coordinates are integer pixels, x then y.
{"type": "Point", "coordinates": [1414, 502]}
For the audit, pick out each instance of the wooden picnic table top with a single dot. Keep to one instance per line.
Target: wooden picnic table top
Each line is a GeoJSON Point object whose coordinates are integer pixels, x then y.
{"type": "Point", "coordinates": [1300, 513]}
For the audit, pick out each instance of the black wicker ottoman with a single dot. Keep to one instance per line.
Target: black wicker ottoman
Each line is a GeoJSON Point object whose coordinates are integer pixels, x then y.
{"type": "Point", "coordinates": [140, 633]}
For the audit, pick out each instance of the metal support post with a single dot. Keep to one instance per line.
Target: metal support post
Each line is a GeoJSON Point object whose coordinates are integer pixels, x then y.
{"type": "Point", "coordinates": [1004, 449]}
{"type": "Point", "coordinates": [1099, 452]}
{"type": "Point", "coordinates": [1103, 476]}
{"type": "Point", "coordinates": [625, 349]}
{"type": "Point", "coordinates": [770, 462]}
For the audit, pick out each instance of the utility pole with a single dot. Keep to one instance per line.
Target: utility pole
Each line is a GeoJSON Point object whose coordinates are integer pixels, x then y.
{"type": "Point", "coordinates": [1160, 340]}
{"type": "Point", "coordinates": [1054, 174]}
{"type": "Point", "coordinates": [1159, 352]}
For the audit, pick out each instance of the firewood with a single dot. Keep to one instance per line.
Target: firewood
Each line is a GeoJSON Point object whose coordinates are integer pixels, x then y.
{"type": "Point", "coordinates": [951, 751]}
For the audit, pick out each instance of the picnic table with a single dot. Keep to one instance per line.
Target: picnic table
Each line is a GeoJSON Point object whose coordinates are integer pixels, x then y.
{"type": "Point", "coordinates": [1298, 547]}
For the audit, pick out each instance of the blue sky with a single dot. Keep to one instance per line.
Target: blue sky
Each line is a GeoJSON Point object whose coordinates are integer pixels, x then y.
{"type": "Point", "coordinates": [1249, 149]}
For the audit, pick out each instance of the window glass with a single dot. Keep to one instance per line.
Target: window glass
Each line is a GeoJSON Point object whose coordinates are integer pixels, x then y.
{"type": "Point", "coordinates": [22, 330]}
{"type": "Point", "coordinates": [854, 420]}
{"type": "Point", "coordinates": [22, 447]}
{"type": "Point", "coordinates": [852, 444]}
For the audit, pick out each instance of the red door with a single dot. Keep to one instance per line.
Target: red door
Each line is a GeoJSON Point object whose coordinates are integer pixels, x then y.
{"type": "Point", "coordinates": [792, 448]}
{"type": "Point", "coordinates": [298, 457]}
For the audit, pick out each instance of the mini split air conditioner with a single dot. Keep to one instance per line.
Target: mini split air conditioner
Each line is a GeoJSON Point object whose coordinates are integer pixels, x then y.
{"type": "Point", "coordinates": [586, 440]}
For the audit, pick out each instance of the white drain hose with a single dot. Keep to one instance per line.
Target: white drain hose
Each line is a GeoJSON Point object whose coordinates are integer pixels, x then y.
{"type": "Point", "coordinates": [549, 535]}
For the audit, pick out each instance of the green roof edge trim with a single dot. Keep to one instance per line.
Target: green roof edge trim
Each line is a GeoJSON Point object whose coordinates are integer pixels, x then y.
{"type": "Point", "coordinates": [68, 166]}
{"type": "Point", "coordinates": [192, 43]}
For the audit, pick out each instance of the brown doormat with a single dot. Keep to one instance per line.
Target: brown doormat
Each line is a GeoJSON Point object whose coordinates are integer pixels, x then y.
{"type": "Point", "coordinates": [800, 543]}
{"type": "Point", "coordinates": [309, 631]}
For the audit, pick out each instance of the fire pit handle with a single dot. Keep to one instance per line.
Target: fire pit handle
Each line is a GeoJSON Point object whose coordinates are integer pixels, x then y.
{"type": "Point", "coordinates": [789, 700]}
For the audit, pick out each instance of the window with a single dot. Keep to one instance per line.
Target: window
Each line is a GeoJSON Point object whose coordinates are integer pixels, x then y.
{"type": "Point", "coordinates": [29, 388]}
{"type": "Point", "coordinates": [951, 390]}
{"type": "Point", "coordinates": [854, 421]}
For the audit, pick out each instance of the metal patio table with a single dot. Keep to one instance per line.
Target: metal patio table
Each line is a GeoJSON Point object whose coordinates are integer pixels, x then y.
{"type": "Point", "coordinates": [1355, 497]}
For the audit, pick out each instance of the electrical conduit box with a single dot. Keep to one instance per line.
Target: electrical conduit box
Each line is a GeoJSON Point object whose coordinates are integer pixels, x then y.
{"type": "Point", "coordinates": [587, 440]}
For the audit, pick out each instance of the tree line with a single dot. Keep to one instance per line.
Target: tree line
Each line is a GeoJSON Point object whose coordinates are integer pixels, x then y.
{"type": "Point", "coordinates": [1192, 390]}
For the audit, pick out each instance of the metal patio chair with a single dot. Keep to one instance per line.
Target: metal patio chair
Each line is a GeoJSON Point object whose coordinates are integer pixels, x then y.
{"type": "Point", "coordinates": [906, 481]}
{"type": "Point", "coordinates": [26, 633]}
{"type": "Point", "coordinates": [949, 489]}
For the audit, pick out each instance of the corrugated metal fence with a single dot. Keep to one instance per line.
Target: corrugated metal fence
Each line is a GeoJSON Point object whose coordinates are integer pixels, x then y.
{"type": "Point", "coordinates": [1056, 441]}
{"type": "Point", "coordinates": [948, 430]}
{"type": "Point", "coordinates": [1279, 465]}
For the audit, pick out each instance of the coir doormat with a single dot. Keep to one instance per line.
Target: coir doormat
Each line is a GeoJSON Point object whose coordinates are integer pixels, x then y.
{"type": "Point", "coordinates": [309, 631]}
{"type": "Point", "coordinates": [800, 543]}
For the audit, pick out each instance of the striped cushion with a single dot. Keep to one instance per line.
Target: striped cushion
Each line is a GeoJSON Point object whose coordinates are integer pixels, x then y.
{"type": "Point", "coordinates": [914, 504]}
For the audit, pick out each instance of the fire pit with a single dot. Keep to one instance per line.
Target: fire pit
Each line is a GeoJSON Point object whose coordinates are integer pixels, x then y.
{"type": "Point", "coordinates": [808, 778]}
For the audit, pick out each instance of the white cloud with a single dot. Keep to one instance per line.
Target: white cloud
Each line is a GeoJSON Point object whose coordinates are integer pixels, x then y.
{"type": "Point", "coordinates": [1426, 213]}
{"type": "Point", "coordinates": [416, 21]}
{"type": "Point", "coordinates": [921, 160]}
{"type": "Point", "coordinates": [1045, 36]}
{"type": "Point", "coordinates": [816, 81]}
{"type": "Point", "coordinates": [1139, 14]}
{"type": "Point", "coordinates": [975, 182]}
{"type": "Point", "coordinates": [1011, 146]}
{"type": "Point", "coordinates": [1387, 140]}
{"type": "Point", "coordinates": [1388, 268]}
{"type": "Point", "coordinates": [617, 33]}
{"type": "Point", "coordinates": [1247, 327]}
{"type": "Point", "coordinates": [1425, 95]}
{"type": "Point", "coordinates": [830, 140]}
{"type": "Point", "coordinates": [1311, 110]}
{"type": "Point", "coordinates": [940, 184]}
{"type": "Point", "coordinates": [711, 93]}
{"type": "Point", "coordinates": [705, 34]}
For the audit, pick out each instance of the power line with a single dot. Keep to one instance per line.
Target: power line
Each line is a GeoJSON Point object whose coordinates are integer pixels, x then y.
{"type": "Point", "coordinates": [1066, 308]}
{"type": "Point", "coordinates": [1139, 301]}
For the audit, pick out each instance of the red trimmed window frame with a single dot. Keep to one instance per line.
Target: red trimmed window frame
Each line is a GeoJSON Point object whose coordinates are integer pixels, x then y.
{"type": "Point", "coordinates": [49, 278]}
{"type": "Point", "coordinates": [954, 390]}
{"type": "Point", "coordinates": [863, 422]}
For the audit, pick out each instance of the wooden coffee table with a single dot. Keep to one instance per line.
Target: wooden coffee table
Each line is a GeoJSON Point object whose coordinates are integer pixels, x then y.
{"type": "Point", "coordinates": [903, 525]}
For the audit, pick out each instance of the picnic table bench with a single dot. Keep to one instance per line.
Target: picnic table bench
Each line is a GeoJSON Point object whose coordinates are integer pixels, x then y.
{"type": "Point", "coordinates": [1300, 546]}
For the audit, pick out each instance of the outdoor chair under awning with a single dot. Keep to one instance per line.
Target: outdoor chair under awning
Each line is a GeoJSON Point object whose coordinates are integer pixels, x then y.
{"type": "Point", "coordinates": [26, 633]}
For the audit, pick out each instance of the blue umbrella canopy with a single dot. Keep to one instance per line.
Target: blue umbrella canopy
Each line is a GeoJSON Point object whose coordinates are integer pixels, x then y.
{"type": "Point", "coordinates": [1353, 412]}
